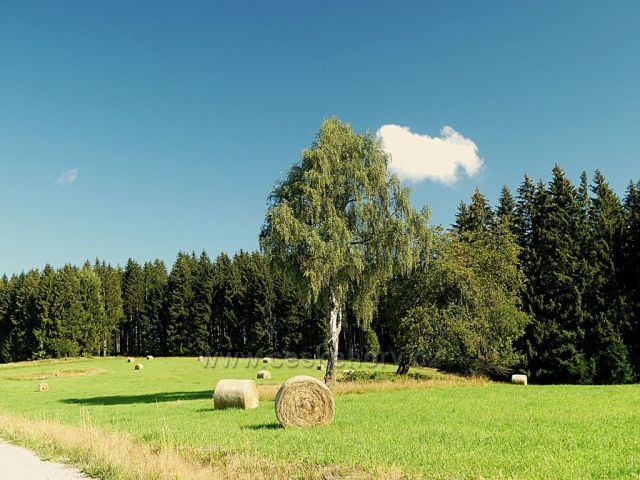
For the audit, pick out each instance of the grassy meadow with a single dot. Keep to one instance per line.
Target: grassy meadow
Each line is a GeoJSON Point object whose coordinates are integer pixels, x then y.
{"type": "Point", "coordinates": [443, 427]}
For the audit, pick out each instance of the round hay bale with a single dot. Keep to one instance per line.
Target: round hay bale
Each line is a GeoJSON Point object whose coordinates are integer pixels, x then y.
{"type": "Point", "coordinates": [303, 401]}
{"type": "Point", "coordinates": [139, 366]}
{"type": "Point", "coordinates": [320, 367]}
{"type": "Point", "coordinates": [131, 360]}
{"type": "Point", "coordinates": [264, 374]}
{"type": "Point", "coordinates": [267, 360]}
{"type": "Point", "coordinates": [43, 387]}
{"type": "Point", "coordinates": [235, 394]}
{"type": "Point", "coordinates": [149, 357]}
{"type": "Point", "coordinates": [519, 379]}
{"type": "Point", "coordinates": [201, 358]}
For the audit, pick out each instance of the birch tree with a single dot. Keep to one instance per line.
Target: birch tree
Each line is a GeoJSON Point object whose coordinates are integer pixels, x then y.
{"type": "Point", "coordinates": [343, 225]}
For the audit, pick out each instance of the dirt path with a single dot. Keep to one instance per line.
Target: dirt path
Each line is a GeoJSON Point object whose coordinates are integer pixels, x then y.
{"type": "Point", "coordinates": [17, 463]}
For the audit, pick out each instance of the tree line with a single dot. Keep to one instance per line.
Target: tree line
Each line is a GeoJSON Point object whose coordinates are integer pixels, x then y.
{"type": "Point", "coordinates": [580, 257]}
{"type": "Point", "coordinates": [546, 282]}
{"type": "Point", "coordinates": [233, 306]}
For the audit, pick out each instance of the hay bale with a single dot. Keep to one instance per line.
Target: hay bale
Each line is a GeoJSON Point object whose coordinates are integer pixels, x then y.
{"type": "Point", "coordinates": [235, 394]}
{"type": "Point", "coordinates": [201, 359]}
{"type": "Point", "coordinates": [138, 366]}
{"type": "Point", "coordinates": [43, 387]}
{"type": "Point", "coordinates": [131, 360]}
{"type": "Point", "coordinates": [267, 360]}
{"type": "Point", "coordinates": [149, 357]}
{"type": "Point", "coordinates": [303, 401]}
{"type": "Point", "coordinates": [264, 374]}
{"type": "Point", "coordinates": [519, 379]}
{"type": "Point", "coordinates": [320, 367]}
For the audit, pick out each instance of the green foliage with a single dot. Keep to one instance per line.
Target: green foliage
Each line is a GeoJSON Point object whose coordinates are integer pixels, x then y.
{"type": "Point", "coordinates": [607, 311]}
{"type": "Point", "coordinates": [371, 345]}
{"type": "Point", "coordinates": [369, 376]}
{"type": "Point", "coordinates": [341, 222]}
{"type": "Point", "coordinates": [573, 257]}
{"type": "Point", "coordinates": [199, 325]}
{"type": "Point", "coordinates": [227, 335]}
{"type": "Point", "coordinates": [153, 314]}
{"type": "Point", "coordinates": [180, 296]}
{"type": "Point", "coordinates": [19, 338]}
{"type": "Point", "coordinates": [476, 217]}
{"type": "Point", "coordinates": [96, 329]}
{"type": "Point", "coordinates": [111, 281]}
{"type": "Point", "coordinates": [132, 304]}
{"type": "Point", "coordinates": [342, 226]}
{"type": "Point", "coordinates": [506, 211]}
{"type": "Point", "coordinates": [630, 273]}
{"type": "Point", "coordinates": [256, 305]}
{"type": "Point", "coordinates": [67, 314]}
{"type": "Point", "coordinates": [553, 266]}
{"type": "Point", "coordinates": [291, 316]}
{"type": "Point", "coordinates": [465, 315]}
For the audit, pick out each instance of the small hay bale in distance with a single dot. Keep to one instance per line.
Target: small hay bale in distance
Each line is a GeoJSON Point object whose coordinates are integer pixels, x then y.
{"type": "Point", "coordinates": [319, 367]}
{"type": "Point", "coordinates": [201, 359]}
{"type": "Point", "coordinates": [304, 401]}
{"type": "Point", "coordinates": [264, 374]}
{"type": "Point", "coordinates": [131, 360]}
{"type": "Point", "coordinates": [519, 379]}
{"type": "Point", "coordinates": [149, 357]}
{"type": "Point", "coordinates": [231, 393]}
{"type": "Point", "coordinates": [267, 360]}
{"type": "Point", "coordinates": [138, 366]}
{"type": "Point", "coordinates": [43, 387]}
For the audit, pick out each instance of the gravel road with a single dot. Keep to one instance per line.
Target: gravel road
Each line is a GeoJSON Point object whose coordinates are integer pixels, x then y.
{"type": "Point", "coordinates": [17, 463]}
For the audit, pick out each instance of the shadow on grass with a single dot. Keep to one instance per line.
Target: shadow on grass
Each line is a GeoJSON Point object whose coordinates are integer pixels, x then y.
{"type": "Point", "coordinates": [146, 398]}
{"type": "Point", "coordinates": [264, 426]}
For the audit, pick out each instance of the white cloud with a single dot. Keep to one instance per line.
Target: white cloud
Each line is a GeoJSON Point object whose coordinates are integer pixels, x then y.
{"type": "Point", "coordinates": [67, 177]}
{"type": "Point", "coordinates": [419, 157]}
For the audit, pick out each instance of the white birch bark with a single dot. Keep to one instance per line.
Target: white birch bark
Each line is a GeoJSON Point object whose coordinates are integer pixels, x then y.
{"type": "Point", "coordinates": [335, 326]}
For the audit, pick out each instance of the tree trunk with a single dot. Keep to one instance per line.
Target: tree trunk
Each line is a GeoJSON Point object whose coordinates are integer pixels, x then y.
{"type": "Point", "coordinates": [403, 366]}
{"type": "Point", "coordinates": [335, 325]}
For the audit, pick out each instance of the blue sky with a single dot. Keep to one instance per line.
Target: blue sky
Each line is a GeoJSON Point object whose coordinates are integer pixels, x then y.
{"type": "Point", "coordinates": [172, 120]}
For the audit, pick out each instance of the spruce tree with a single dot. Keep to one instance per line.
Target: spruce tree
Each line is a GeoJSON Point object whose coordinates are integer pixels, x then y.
{"type": "Point", "coordinates": [22, 319]}
{"type": "Point", "coordinates": [227, 295]}
{"type": "Point", "coordinates": [153, 314]}
{"type": "Point", "coordinates": [506, 211]}
{"type": "Point", "coordinates": [555, 337]}
{"type": "Point", "coordinates": [257, 303]}
{"type": "Point", "coordinates": [132, 304]}
{"type": "Point", "coordinates": [180, 296]}
{"type": "Point", "coordinates": [475, 217]}
{"type": "Point", "coordinates": [5, 332]}
{"type": "Point", "coordinates": [290, 314]}
{"type": "Point", "coordinates": [630, 272]}
{"type": "Point", "coordinates": [604, 299]}
{"type": "Point", "coordinates": [45, 330]}
{"type": "Point", "coordinates": [523, 221]}
{"type": "Point", "coordinates": [95, 329]}
{"type": "Point", "coordinates": [201, 326]}
{"type": "Point", "coordinates": [67, 313]}
{"type": "Point", "coordinates": [111, 281]}
{"type": "Point", "coordinates": [462, 218]}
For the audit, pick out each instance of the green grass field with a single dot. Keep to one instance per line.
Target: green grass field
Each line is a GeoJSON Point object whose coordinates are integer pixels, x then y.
{"type": "Point", "coordinates": [461, 430]}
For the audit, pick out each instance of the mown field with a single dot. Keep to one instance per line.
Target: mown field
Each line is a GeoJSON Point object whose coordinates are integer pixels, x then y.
{"type": "Point", "coordinates": [445, 427]}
